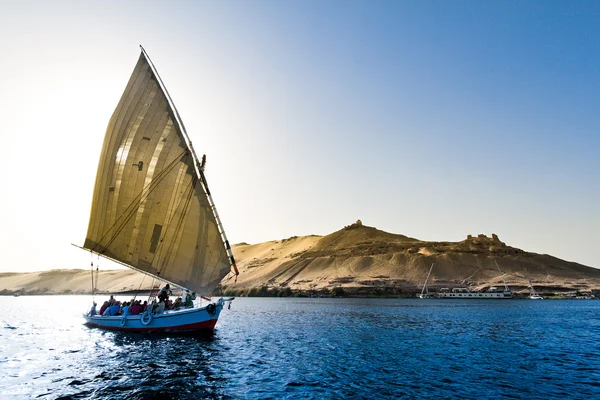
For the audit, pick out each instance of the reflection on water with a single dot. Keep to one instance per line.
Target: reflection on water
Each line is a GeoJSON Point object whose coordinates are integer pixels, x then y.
{"type": "Point", "coordinates": [309, 348]}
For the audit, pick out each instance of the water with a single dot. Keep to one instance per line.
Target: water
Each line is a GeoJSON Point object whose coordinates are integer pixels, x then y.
{"type": "Point", "coordinates": [309, 348]}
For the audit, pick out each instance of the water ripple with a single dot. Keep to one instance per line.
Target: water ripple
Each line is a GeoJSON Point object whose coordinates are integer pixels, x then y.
{"type": "Point", "coordinates": [314, 349]}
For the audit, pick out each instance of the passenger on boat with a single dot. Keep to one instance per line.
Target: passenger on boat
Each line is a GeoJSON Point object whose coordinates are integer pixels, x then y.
{"type": "Point", "coordinates": [125, 308]}
{"type": "Point", "coordinates": [144, 306]}
{"type": "Point", "coordinates": [160, 308]}
{"type": "Point", "coordinates": [136, 308]}
{"type": "Point", "coordinates": [111, 301]}
{"type": "Point", "coordinates": [104, 307]}
{"type": "Point", "coordinates": [92, 310]}
{"type": "Point", "coordinates": [164, 293]}
{"type": "Point", "coordinates": [177, 305]}
{"type": "Point", "coordinates": [113, 310]}
{"type": "Point", "coordinates": [189, 299]}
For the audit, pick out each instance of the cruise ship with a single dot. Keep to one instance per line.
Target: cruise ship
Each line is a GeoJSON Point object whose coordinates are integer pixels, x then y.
{"type": "Point", "coordinates": [465, 293]}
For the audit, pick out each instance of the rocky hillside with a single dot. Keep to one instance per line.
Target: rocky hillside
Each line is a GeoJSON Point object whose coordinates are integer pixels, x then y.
{"type": "Point", "coordinates": [362, 259]}
{"type": "Point", "coordinates": [357, 259]}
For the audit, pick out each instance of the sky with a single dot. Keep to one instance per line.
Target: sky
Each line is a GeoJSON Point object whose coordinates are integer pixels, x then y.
{"type": "Point", "coordinates": [432, 119]}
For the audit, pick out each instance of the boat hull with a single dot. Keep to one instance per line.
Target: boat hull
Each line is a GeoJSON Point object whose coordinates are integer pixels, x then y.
{"type": "Point", "coordinates": [186, 320]}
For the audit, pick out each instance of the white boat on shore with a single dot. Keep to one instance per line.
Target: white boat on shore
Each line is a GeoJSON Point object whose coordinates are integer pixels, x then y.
{"type": "Point", "coordinates": [425, 292]}
{"type": "Point", "coordinates": [533, 295]}
{"type": "Point", "coordinates": [152, 211]}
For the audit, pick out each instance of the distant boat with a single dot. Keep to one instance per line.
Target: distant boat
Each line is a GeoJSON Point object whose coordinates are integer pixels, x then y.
{"type": "Point", "coordinates": [534, 295]}
{"type": "Point", "coordinates": [17, 294]}
{"type": "Point", "coordinates": [152, 210]}
{"type": "Point", "coordinates": [466, 293]}
{"type": "Point", "coordinates": [425, 292]}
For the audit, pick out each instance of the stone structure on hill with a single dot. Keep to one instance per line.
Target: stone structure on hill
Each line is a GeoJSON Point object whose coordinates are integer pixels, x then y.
{"type": "Point", "coordinates": [357, 260]}
{"type": "Point", "coordinates": [355, 225]}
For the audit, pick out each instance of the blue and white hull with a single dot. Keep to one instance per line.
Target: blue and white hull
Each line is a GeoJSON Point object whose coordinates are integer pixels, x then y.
{"type": "Point", "coordinates": [187, 319]}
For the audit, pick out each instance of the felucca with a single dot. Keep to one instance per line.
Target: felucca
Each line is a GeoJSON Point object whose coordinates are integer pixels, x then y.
{"type": "Point", "coordinates": [533, 295]}
{"type": "Point", "coordinates": [152, 210]}
{"type": "Point", "coordinates": [425, 292]}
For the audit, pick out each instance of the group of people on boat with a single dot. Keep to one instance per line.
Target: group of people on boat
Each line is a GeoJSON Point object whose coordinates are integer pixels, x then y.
{"type": "Point", "coordinates": [112, 307]}
{"type": "Point", "coordinates": [134, 307]}
{"type": "Point", "coordinates": [186, 301]}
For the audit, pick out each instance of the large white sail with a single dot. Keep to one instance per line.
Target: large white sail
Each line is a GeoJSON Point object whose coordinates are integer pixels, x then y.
{"type": "Point", "coordinates": [149, 209]}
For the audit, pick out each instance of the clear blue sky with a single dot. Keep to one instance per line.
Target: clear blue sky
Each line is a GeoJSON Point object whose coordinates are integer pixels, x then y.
{"type": "Point", "coordinates": [434, 119]}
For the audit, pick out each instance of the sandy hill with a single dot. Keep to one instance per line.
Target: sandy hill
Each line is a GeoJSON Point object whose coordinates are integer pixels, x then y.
{"type": "Point", "coordinates": [359, 259]}
{"type": "Point", "coordinates": [71, 281]}
{"type": "Point", "coordinates": [362, 257]}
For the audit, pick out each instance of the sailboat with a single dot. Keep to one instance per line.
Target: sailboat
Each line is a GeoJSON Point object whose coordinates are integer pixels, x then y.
{"type": "Point", "coordinates": [152, 210]}
{"type": "Point", "coordinates": [425, 292]}
{"type": "Point", "coordinates": [534, 295]}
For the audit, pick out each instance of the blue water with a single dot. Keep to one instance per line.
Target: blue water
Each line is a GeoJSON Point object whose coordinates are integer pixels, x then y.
{"type": "Point", "coordinates": [310, 348]}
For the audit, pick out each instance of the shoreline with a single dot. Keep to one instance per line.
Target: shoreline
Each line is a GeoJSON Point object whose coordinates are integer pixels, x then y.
{"type": "Point", "coordinates": [261, 293]}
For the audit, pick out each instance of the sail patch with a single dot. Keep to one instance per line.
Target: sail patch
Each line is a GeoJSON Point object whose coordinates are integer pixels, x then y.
{"type": "Point", "coordinates": [139, 165]}
{"type": "Point", "coordinates": [155, 238]}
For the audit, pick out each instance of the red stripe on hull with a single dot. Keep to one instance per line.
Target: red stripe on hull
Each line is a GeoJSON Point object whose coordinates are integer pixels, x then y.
{"type": "Point", "coordinates": [198, 326]}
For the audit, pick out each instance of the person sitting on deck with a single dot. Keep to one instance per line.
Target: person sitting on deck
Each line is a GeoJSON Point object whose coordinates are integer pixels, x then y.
{"type": "Point", "coordinates": [164, 293]}
{"type": "Point", "coordinates": [112, 310]}
{"type": "Point", "coordinates": [144, 306]}
{"type": "Point", "coordinates": [125, 309]}
{"type": "Point", "coordinates": [92, 311]}
{"type": "Point", "coordinates": [189, 299]}
{"type": "Point", "coordinates": [177, 305]}
{"type": "Point", "coordinates": [160, 308]}
{"type": "Point", "coordinates": [104, 307]}
{"type": "Point", "coordinates": [136, 308]}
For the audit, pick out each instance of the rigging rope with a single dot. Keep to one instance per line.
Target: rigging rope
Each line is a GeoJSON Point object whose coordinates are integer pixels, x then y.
{"type": "Point", "coordinates": [97, 273]}
{"type": "Point", "coordinates": [179, 224]}
{"type": "Point", "coordinates": [92, 273]}
{"type": "Point", "coordinates": [187, 196]}
{"type": "Point", "coordinates": [133, 207]}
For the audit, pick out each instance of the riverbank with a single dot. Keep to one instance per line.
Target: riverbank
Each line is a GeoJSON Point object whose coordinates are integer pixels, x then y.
{"type": "Point", "coordinates": [356, 261]}
{"type": "Point", "coordinates": [338, 292]}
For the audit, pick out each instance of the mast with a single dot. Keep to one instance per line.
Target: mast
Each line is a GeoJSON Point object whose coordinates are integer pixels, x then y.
{"type": "Point", "coordinates": [506, 289]}
{"type": "Point", "coordinates": [425, 290]}
{"type": "Point", "coordinates": [199, 167]}
{"type": "Point", "coordinates": [531, 287]}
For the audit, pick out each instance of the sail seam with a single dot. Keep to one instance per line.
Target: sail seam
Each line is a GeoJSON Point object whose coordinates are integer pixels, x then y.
{"type": "Point", "coordinates": [177, 229]}
{"type": "Point", "coordinates": [134, 205]}
{"type": "Point", "coordinates": [159, 250]}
